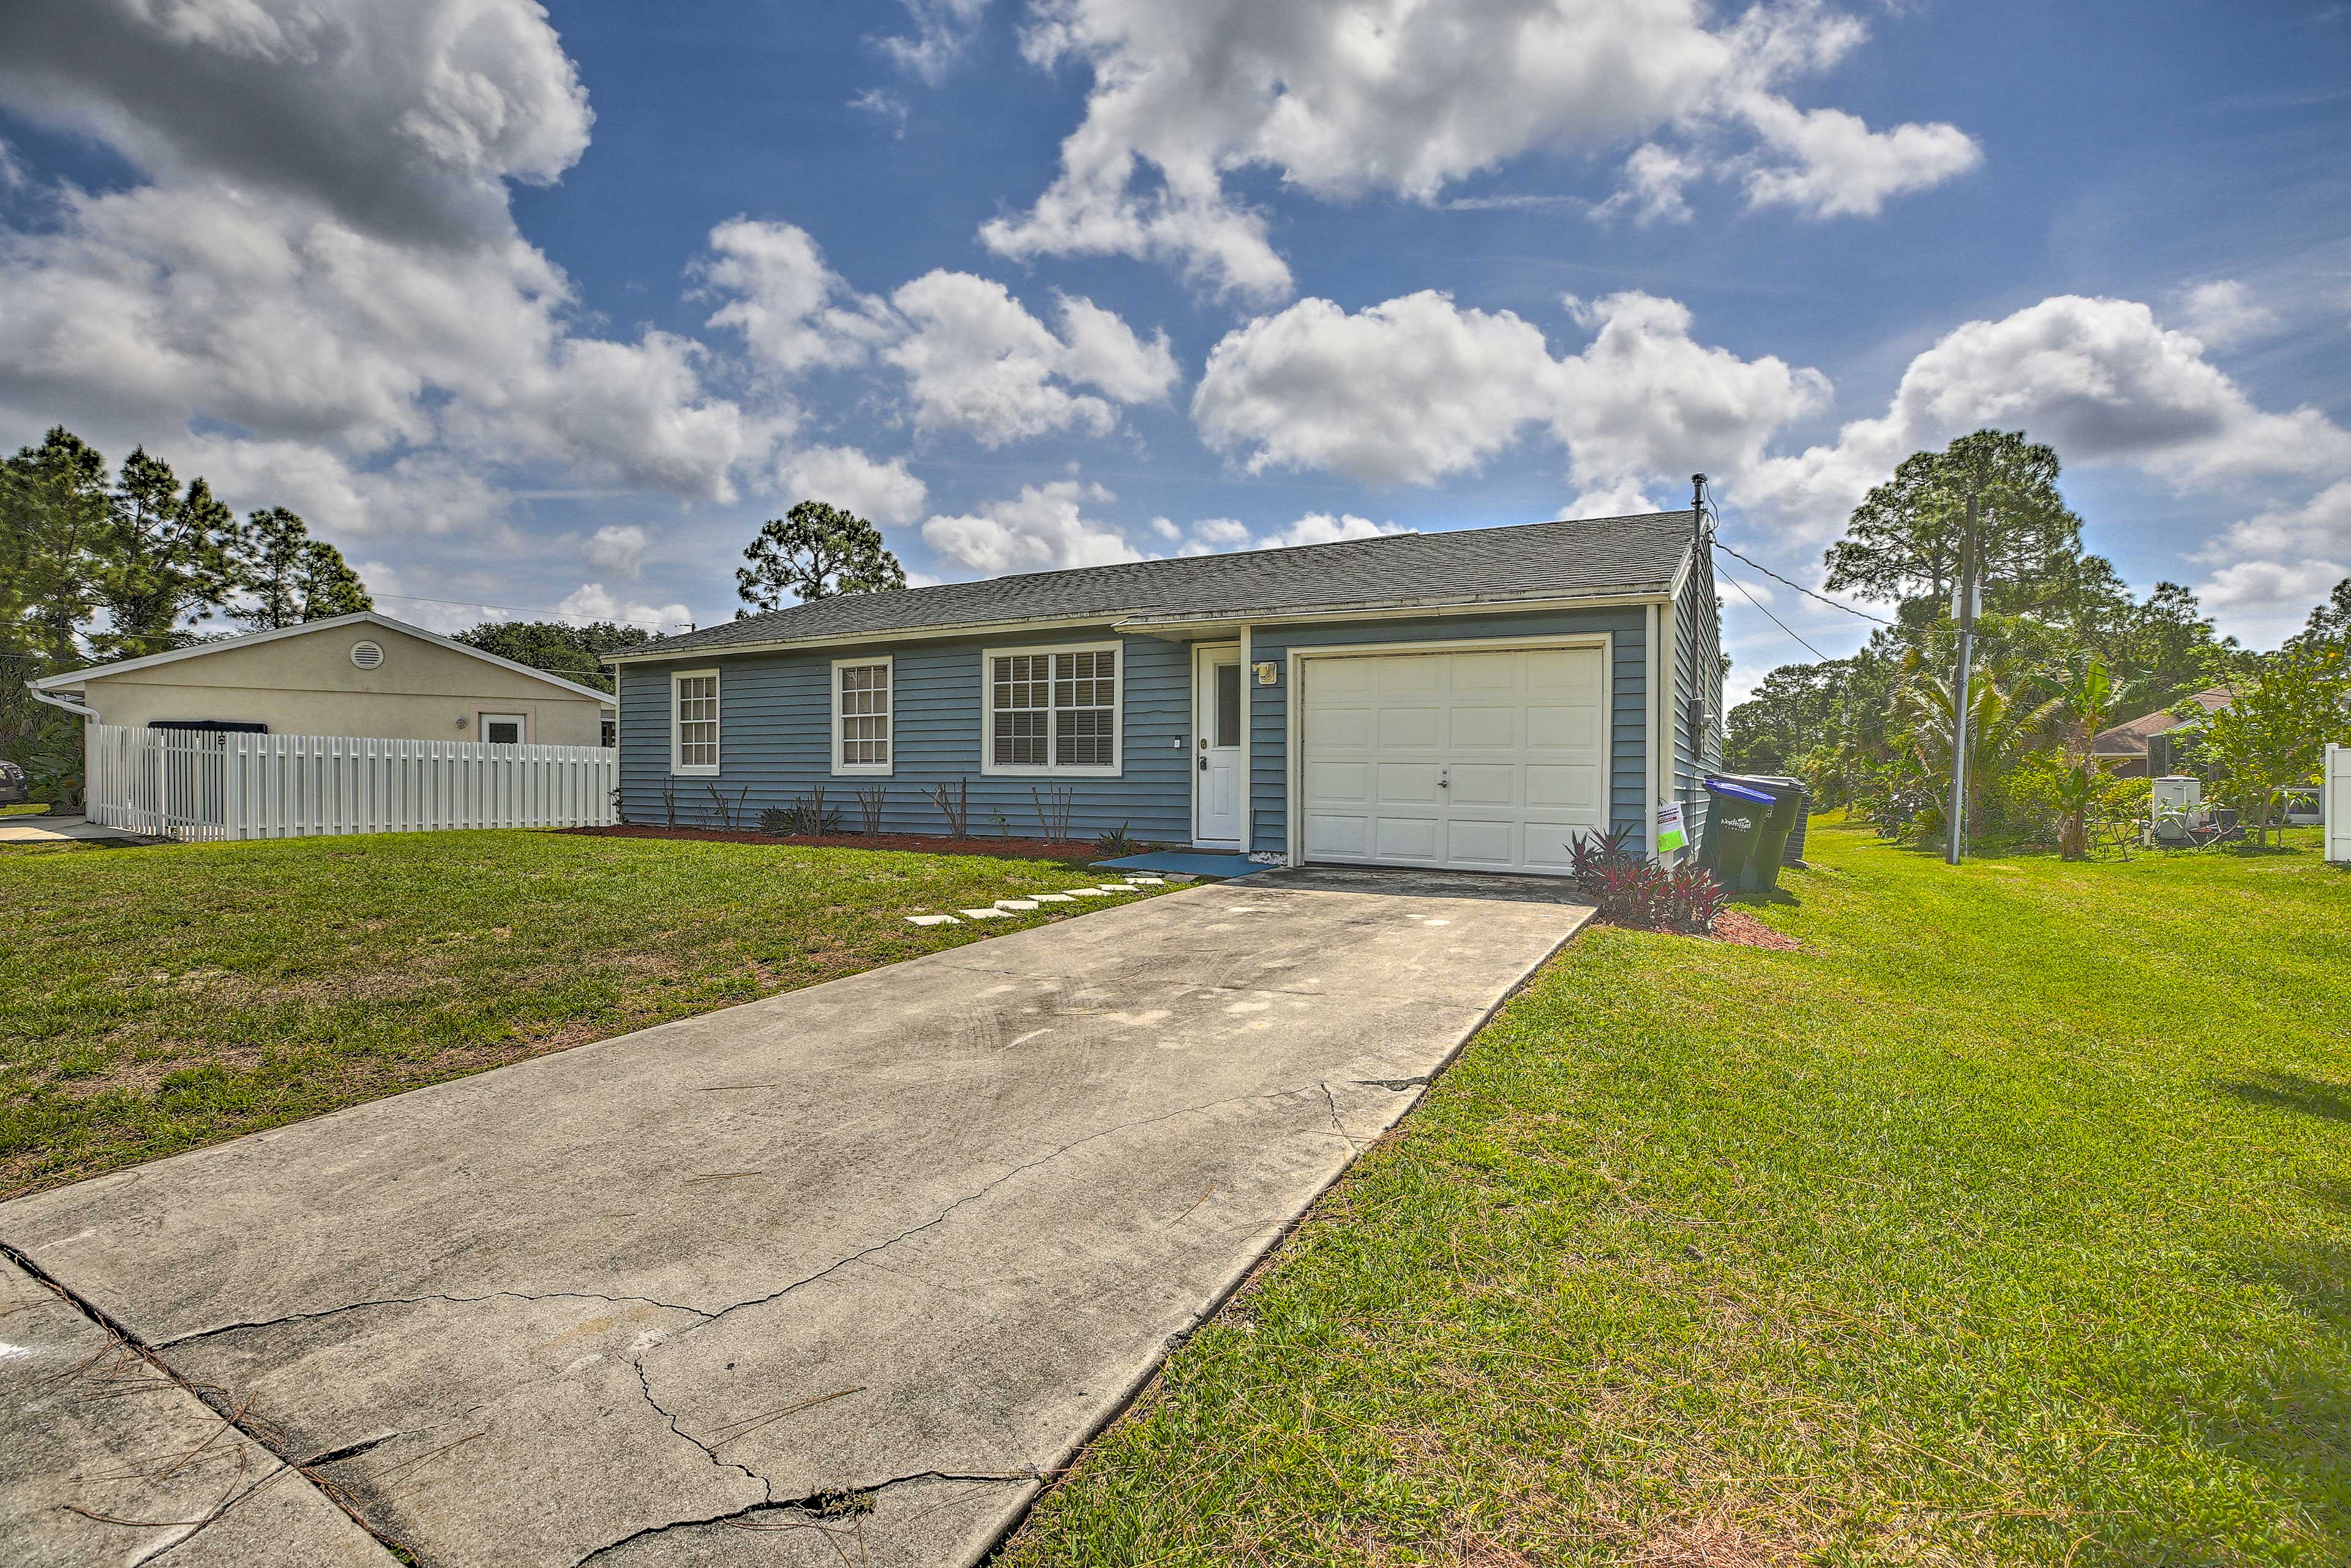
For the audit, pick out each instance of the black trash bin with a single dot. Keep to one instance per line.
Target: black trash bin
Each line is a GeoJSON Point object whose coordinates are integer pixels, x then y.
{"type": "Point", "coordinates": [1735, 816]}
{"type": "Point", "coordinates": [1777, 784]}
{"type": "Point", "coordinates": [1787, 813]}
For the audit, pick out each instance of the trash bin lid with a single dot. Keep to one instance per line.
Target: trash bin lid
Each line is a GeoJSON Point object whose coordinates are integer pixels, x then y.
{"type": "Point", "coordinates": [1747, 792]}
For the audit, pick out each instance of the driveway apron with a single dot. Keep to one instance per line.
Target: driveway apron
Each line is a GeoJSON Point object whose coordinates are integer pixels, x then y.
{"type": "Point", "coordinates": [853, 1267]}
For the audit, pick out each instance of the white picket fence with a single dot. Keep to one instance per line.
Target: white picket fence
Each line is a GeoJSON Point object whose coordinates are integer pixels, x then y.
{"type": "Point", "coordinates": [213, 784]}
{"type": "Point", "coordinates": [2336, 803]}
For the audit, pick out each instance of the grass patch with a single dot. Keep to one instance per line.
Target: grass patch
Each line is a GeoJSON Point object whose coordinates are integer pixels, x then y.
{"type": "Point", "coordinates": [152, 999]}
{"type": "Point", "coordinates": [2007, 1222]}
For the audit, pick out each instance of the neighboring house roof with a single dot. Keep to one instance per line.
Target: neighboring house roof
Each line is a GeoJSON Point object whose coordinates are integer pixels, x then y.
{"type": "Point", "coordinates": [1589, 559]}
{"type": "Point", "coordinates": [2130, 738]}
{"type": "Point", "coordinates": [73, 679]}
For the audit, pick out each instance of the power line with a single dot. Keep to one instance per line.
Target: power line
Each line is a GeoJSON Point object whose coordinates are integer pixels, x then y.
{"type": "Point", "coordinates": [1775, 621]}
{"type": "Point", "coordinates": [1800, 588]}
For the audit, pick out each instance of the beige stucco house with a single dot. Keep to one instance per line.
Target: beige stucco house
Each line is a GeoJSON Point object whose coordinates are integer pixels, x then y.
{"type": "Point", "coordinates": [364, 674]}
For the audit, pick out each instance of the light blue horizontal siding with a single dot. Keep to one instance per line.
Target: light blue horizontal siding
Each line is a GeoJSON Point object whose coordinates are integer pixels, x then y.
{"type": "Point", "coordinates": [1270, 705]}
{"type": "Point", "coordinates": [776, 732]}
{"type": "Point", "coordinates": [776, 740]}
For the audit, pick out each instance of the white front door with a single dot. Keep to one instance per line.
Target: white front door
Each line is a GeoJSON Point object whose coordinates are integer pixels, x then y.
{"type": "Point", "coordinates": [1218, 799]}
{"type": "Point", "coordinates": [1488, 760]}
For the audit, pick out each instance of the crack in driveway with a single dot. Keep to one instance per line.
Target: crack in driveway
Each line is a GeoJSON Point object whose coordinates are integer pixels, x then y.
{"type": "Point", "coordinates": [418, 1301]}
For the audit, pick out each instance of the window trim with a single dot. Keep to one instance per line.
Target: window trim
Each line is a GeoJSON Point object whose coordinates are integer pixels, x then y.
{"type": "Point", "coordinates": [990, 768]}
{"type": "Point", "coordinates": [841, 769]}
{"type": "Point", "coordinates": [717, 719]}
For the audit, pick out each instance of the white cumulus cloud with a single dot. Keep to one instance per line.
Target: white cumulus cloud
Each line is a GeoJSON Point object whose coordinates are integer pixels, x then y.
{"type": "Point", "coordinates": [616, 547]}
{"type": "Point", "coordinates": [1416, 388]}
{"type": "Point", "coordinates": [1345, 98]}
{"type": "Point", "coordinates": [2101, 380]}
{"type": "Point", "coordinates": [594, 601]}
{"type": "Point", "coordinates": [2223, 313]}
{"type": "Point", "coordinates": [845, 476]}
{"type": "Point", "coordinates": [1044, 527]}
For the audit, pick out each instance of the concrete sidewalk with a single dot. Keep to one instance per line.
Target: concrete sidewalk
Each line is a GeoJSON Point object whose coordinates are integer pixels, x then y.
{"type": "Point", "coordinates": [872, 1256]}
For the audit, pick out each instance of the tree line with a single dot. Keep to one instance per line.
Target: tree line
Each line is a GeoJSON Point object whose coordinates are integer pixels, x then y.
{"type": "Point", "coordinates": [2065, 650]}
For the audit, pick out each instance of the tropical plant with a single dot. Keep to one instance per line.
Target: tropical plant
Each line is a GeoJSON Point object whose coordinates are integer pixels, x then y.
{"type": "Point", "coordinates": [803, 816]}
{"type": "Point", "coordinates": [2004, 724]}
{"type": "Point", "coordinates": [1115, 844]}
{"type": "Point", "coordinates": [1631, 890]}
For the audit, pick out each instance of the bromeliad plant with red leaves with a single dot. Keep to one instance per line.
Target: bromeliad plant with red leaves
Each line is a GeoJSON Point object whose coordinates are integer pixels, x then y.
{"type": "Point", "coordinates": [1632, 890]}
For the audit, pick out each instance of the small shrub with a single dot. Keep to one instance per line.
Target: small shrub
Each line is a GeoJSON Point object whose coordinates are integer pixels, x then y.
{"type": "Point", "coordinates": [955, 805]}
{"type": "Point", "coordinates": [807, 816]}
{"type": "Point", "coordinates": [870, 804]}
{"type": "Point", "coordinates": [1631, 890]}
{"type": "Point", "coordinates": [1116, 843]}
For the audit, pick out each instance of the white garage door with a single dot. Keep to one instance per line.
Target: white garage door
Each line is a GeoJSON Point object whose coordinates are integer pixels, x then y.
{"type": "Point", "coordinates": [1483, 761]}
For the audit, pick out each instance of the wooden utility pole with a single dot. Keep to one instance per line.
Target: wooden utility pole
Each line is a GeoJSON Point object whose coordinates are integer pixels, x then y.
{"type": "Point", "coordinates": [1963, 612]}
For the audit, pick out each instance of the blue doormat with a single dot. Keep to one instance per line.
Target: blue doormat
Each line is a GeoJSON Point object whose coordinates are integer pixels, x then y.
{"type": "Point", "coordinates": [1188, 863]}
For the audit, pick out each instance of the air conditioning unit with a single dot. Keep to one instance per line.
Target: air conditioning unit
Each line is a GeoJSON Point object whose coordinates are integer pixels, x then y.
{"type": "Point", "coordinates": [2176, 792]}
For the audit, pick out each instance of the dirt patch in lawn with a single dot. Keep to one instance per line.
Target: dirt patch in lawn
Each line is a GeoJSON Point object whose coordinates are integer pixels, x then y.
{"type": "Point", "coordinates": [1742, 929]}
{"type": "Point", "coordinates": [1076, 851]}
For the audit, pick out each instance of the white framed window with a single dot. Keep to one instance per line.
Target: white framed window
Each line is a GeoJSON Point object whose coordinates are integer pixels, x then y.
{"type": "Point", "coordinates": [1052, 710]}
{"type": "Point", "coordinates": [693, 721]}
{"type": "Point", "coordinates": [861, 705]}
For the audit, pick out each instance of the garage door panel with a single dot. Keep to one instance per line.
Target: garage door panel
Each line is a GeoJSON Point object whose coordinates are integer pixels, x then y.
{"type": "Point", "coordinates": [1333, 833]}
{"type": "Point", "coordinates": [1550, 846]}
{"type": "Point", "coordinates": [1338, 783]}
{"type": "Point", "coordinates": [1411, 728]}
{"type": "Point", "coordinates": [1560, 727]}
{"type": "Point", "coordinates": [1483, 673]}
{"type": "Point", "coordinates": [1408, 783]}
{"type": "Point", "coordinates": [1555, 788]}
{"type": "Point", "coordinates": [1491, 845]}
{"type": "Point", "coordinates": [1486, 760]}
{"type": "Point", "coordinates": [1480, 784]}
{"type": "Point", "coordinates": [1339, 728]}
{"type": "Point", "coordinates": [1562, 671]}
{"type": "Point", "coordinates": [1407, 674]}
{"type": "Point", "coordinates": [1485, 729]}
{"type": "Point", "coordinates": [1407, 838]}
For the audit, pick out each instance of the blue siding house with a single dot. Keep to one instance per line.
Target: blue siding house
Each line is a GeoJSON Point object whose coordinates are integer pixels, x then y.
{"type": "Point", "coordinates": [1473, 700]}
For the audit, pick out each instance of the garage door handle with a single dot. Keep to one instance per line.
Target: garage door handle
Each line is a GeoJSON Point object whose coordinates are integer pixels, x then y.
{"type": "Point", "coordinates": [1444, 781]}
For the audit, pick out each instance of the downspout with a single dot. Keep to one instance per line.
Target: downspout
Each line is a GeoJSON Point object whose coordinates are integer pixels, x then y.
{"type": "Point", "coordinates": [66, 703]}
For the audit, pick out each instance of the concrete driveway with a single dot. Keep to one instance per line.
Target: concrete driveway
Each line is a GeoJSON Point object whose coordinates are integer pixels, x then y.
{"type": "Point", "coordinates": [839, 1272]}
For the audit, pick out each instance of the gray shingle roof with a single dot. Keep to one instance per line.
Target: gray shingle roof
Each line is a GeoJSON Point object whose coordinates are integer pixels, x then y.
{"type": "Point", "coordinates": [1635, 554]}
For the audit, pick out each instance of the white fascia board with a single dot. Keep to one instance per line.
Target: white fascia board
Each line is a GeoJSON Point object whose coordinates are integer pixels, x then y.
{"type": "Point", "coordinates": [1414, 610]}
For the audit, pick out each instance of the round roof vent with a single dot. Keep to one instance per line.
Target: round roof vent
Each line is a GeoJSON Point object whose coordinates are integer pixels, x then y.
{"type": "Point", "coordinates": [367, 654]}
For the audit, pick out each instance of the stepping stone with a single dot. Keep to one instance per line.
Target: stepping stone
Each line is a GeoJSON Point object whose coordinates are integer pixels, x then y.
{"type": "Point", "coordinates": [1148, 881]}
{"type": "Point", "coordinates": [1118, 887]}
{"type": "Point", "coordinates": [985, 913]}
{"type": "Point", "coordinates": [1179, 878]}
{"type": "Point", "coordinates": [1016, 903]}
{"type": "Point", "coordinates": [1052, 898]}
{"type": "Point", "coordinates": [933, 920]}
{"type": "Point", "coordinates": [1088, 893]}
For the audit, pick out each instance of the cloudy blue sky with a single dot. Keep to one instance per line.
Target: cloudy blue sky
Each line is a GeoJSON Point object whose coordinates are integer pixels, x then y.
{"type": "Point", "coordinates": [548, 309]}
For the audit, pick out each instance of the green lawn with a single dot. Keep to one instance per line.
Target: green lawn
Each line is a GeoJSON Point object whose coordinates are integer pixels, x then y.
{"type": "Point", "coordinates": [2008, 1222]}
{"type": "Point", "coordinates": [152, 1000]}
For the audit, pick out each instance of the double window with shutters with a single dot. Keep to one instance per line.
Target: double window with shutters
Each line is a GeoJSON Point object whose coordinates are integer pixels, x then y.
{"type": "Point", "coordinates": [1052, 710]}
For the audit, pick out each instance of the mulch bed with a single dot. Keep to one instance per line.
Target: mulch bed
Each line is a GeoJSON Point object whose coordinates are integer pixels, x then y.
{"type": "Point", "coordinates": [1744, 930]}
{"type": "Point", "coordinates": [1077, 851]}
